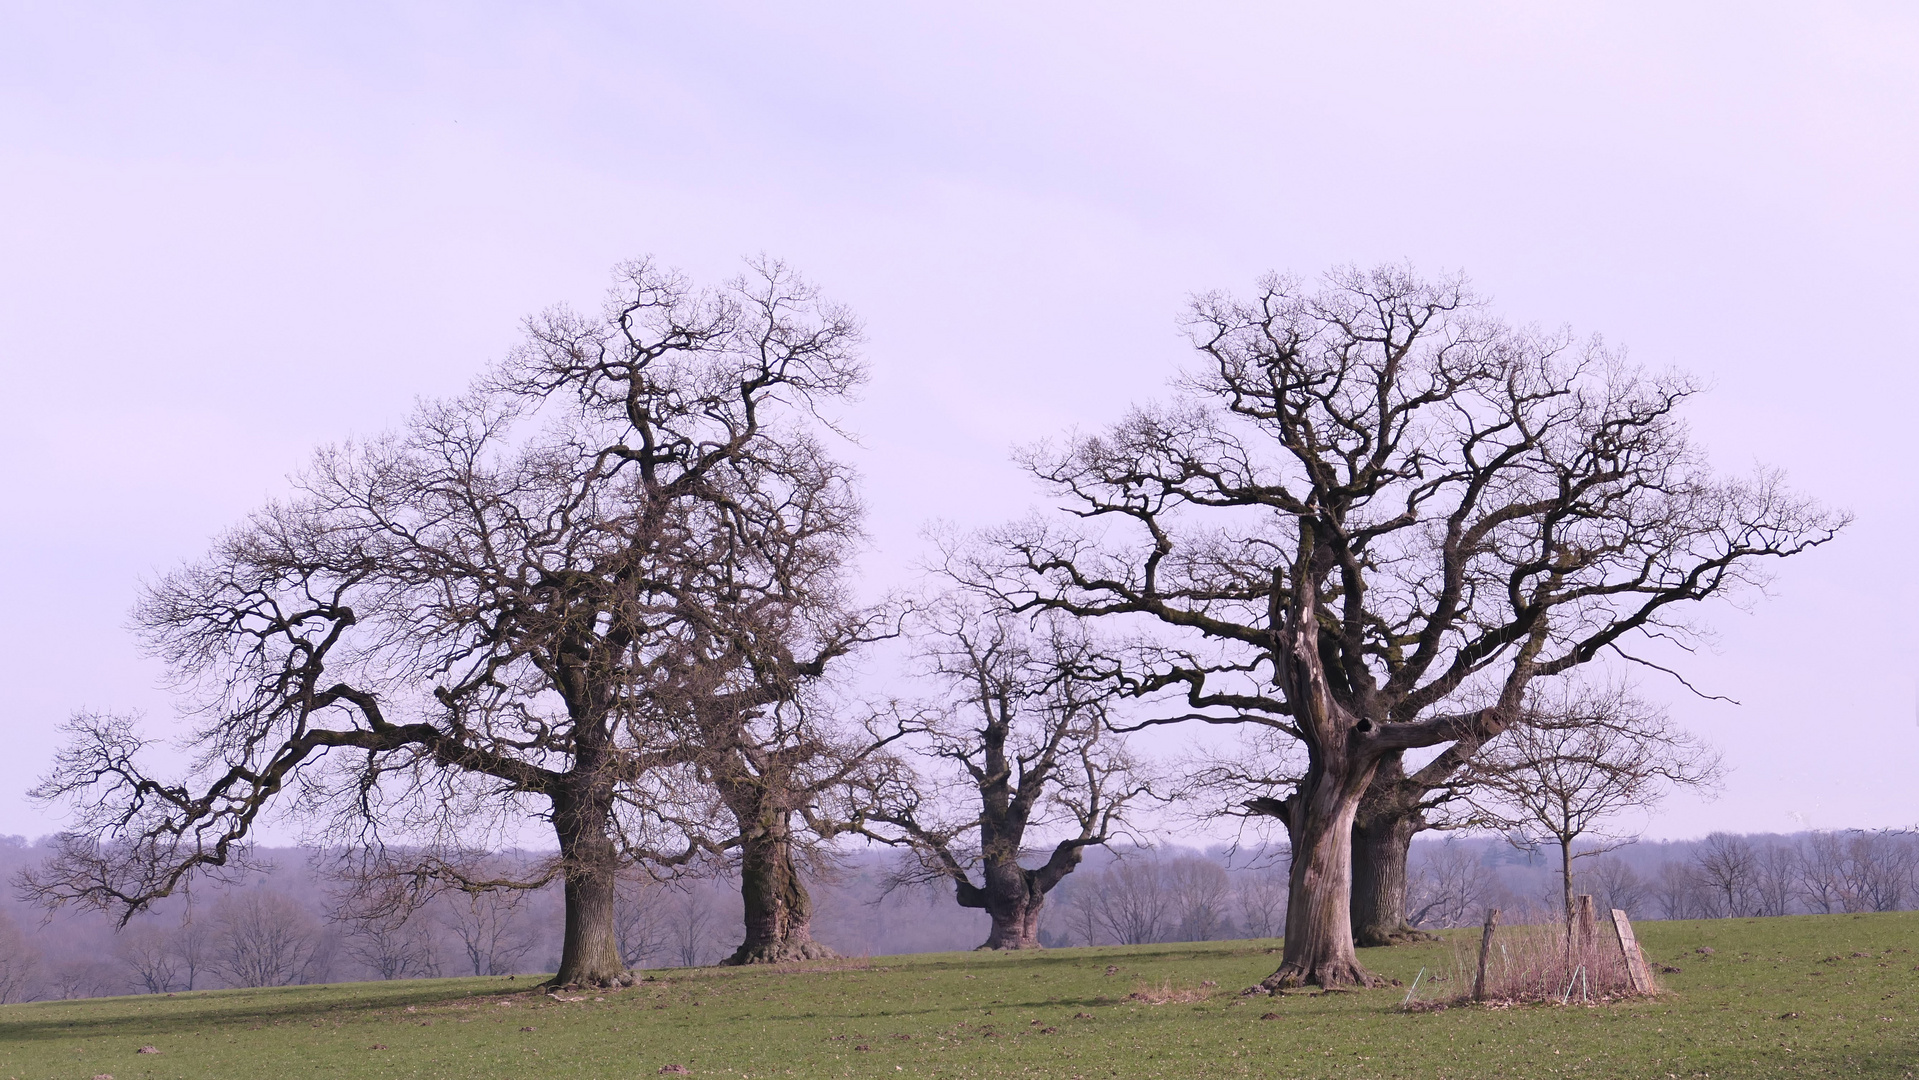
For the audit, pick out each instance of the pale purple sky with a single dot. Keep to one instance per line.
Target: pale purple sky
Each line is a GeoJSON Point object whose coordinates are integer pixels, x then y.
{"type": "Point", "coordinates": [233, 232]}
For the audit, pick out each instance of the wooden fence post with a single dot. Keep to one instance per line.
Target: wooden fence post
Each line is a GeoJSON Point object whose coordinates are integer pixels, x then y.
{"type": "Point", "coordinates": [1485, 948]}
{"type": "Point", "coordinates": [1636, 968]}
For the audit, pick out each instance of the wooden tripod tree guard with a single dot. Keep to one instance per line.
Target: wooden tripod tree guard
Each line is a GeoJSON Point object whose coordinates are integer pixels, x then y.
{"type": "Point", "coordinates": [1485, 949]}
{"type": "Point", "coordinates": [1636, 968]}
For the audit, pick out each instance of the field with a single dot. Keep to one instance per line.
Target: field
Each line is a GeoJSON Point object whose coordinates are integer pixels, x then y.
{"type": "Point", "coordinates": [1798, 996]}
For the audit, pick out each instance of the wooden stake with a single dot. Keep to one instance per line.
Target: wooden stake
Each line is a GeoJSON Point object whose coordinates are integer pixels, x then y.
{"type": "Point", "coordinates": [1588, 927]}
{"type": "Point", "coordinates": [1636, 968]}
{"type": "Point", "coordinates": [1485, 949]}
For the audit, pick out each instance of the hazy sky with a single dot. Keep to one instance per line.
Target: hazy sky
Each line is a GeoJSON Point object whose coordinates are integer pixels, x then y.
{"type": "Point", "coordinates": [233, 232]}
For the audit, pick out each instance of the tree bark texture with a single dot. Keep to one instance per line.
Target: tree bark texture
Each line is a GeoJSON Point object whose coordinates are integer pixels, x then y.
{"type": "Point", "coordinates": [1012, 897]}
{"type": "Point", "coordinates": [589, 951]}
{"type": "Point", "coordinates": [779, 913]}
{"type": "Point", "coordinates": [1380, 849]}
{"type": "Point", "coordinates": [1383, 830]}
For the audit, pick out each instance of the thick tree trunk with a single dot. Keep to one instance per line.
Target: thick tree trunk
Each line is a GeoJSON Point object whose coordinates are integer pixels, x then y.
{"type": "Point", "coordinates": [779, 914]}
{"type": "Point", "coordinates": [1013, 900]}
{"type": "Point", "coordinates": [589, 951]}
{"type": "Point", "coordinates": [1319, 930]}
{"type": "Point", "coordinates": [1383, 831]}
{"type": "Point", "coordinates": [1380, 850]}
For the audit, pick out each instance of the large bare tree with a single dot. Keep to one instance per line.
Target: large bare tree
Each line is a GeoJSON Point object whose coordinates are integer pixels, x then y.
{"type": "Point", "coordinates": [1371, 517]}
{"type": "Point", "coordinates": [448, 628]}
{"type": "Point", "coordinates": [1022, 733]}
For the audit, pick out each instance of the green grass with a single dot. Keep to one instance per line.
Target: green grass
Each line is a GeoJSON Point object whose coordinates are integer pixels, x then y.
{"type": "Point", "coordinates": [970, 1014]}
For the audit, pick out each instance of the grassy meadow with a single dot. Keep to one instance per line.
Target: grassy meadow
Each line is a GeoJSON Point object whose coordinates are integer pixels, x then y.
{"type": "Point", "coordinates": [1796, 996]}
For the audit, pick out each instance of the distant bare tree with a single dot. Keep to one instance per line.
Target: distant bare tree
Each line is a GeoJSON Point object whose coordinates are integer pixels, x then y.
{"type": "Point", "coordinates": [1583, 756]}
{"type": "Point", "coordinates": [1727, 867]}
{"type": "Point", "coordinates": [395, 950]}
{"type": "Point", "coordinates": [150, 956]}
{"type": "Point", "coordinates": [1083, 909]}
{"type": "Point", "coordinates": [1260, 894]}
{"type": "Point", "coordinates": [193, 944]}
{"type": "Point", "coordinates": [1776, 877]}
{"type": "Point", "coordinates": [1133, 900]}
{"type": "Point", "coordinates": [1615, 884]}
{"type": "Point", "coordinates": [640, 919]}
{"type": "Point", "coordinates": [1022, 734]}
{"type": "Point", "coordinates": [1825, 873]}
{"type": "Point", "coordinates": [690, 927]}
{"type": "Point", "coordinates": [1200, 890]}
{"type": "Point", "coordinates": [262, 937]}
{"type": "Point", "coordinates": [1450, 886]}
{"type": "Point", "coordinates": [85, 977]}
{"type": "Point", "coordinates": [1679, 893]}
{"type": "Point", "coordinates": [1887, 861]}
{"type": "Point", "coordinates": [19, 962]}
{"type": "Point", "coordinates": [490, 929]}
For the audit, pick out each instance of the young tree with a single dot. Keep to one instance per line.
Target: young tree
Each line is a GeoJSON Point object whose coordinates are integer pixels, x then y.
{"type": "Point", "coordinates": [1583, 755]}
{"type": "Point", "coordinates": [452, 625]}
{"type": "Point", "coordinates": [1023, 733]}
{"type": "Point", "coordinates": [1372, 518]}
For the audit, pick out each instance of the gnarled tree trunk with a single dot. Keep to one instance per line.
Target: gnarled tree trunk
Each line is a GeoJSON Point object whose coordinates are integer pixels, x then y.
{"type": "Point", "coordinates": [779, 914]}
{"type": "Point", "coordinates": [1012, 898]}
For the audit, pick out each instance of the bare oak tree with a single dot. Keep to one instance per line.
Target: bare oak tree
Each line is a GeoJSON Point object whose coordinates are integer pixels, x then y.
{"type": "Point", "coordinates": [1371, 518]}
{"type": "Point", "coordinates": [1582, 756]}
{"type": "Point", "coordinates": [1022, 732]}
{"type": "Point", "coordinates": [449, 628]}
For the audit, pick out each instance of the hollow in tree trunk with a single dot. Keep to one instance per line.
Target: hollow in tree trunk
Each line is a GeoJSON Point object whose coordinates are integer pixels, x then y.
{"type": "Point", "coordinates": [589, 951]}
{"type": "Point", "coordinates": [779, 914]}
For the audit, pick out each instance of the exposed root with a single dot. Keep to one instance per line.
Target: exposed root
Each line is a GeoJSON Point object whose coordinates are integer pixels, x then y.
{"type": "Point", "coordinates": [1403, 935]}
{"type": "Point", "coordinates": [780, 952]}
{"type": "Point", "coordinates": [591, 982]}
{"type": "Point", "coordinates": [1332, 975]}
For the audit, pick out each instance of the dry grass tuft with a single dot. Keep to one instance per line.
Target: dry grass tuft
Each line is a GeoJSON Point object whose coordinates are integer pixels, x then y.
{"type": "Point", "coordinates": [1165, 993]}
{"type": "Point", "coordinates": [1534, 963]}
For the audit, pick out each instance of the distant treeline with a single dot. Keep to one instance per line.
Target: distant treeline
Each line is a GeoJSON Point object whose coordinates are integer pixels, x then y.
{"type": "Point", "coordinates": [292, 921]}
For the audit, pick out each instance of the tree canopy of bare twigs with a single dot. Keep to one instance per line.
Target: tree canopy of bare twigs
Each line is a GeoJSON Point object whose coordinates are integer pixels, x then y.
{"type": "Point", "coordinates": [459, 623]}
{"type": "Point", "coordinates": [1372, 515]}
{"type": "Point", "coordinates": [1580, 758]}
